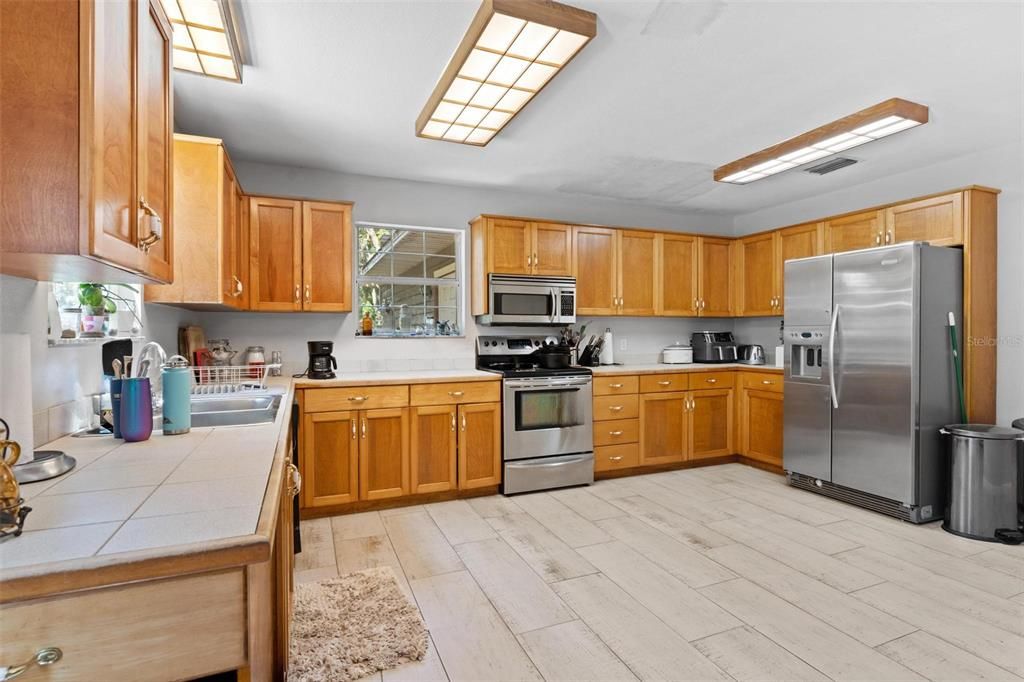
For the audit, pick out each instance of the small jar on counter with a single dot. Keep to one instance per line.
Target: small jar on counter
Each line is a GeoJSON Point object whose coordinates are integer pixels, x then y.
{"type": "Point", "coordinates": [255, 359]}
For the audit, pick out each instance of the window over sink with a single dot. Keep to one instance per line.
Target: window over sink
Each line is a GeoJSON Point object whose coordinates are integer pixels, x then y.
{"type": "Point", "coordinates": [409, 280]}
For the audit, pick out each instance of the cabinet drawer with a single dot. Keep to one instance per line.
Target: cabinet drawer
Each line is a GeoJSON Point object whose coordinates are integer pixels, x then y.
{"type": "Point", "coordinates": [699, 380]}
{"type": "Point", "coordinates": [450, 394]}
{"type": "Point", "coordinates": [355, 398]}
{"type": "Point", "coordinates": [615, 385]}
{"type": "Point", "coordinates": [616, 431]}
{"type": "Point", "coordinates": [185, 627]}
{"type": "Point", "coordinates": [659, 383]}
{"type": "Point", "coordinates": [762, 382]}
{"type": "Point", "coordinates": [611, 457]}
{"type": "Point", "coordinates": [615, 407]}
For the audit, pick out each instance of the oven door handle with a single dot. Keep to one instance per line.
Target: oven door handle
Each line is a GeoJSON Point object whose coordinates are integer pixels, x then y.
{"type": "Point", "coordinates": [528, 386]}
{"type": "Point", "coordinates": [559, 461]}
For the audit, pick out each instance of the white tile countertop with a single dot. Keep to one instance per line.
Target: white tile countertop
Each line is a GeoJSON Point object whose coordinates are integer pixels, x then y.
{"type": "Point", "coordinates": [660, 368]}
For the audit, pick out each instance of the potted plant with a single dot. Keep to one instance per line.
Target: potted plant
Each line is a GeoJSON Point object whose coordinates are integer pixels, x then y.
{"type": "Point", "coordinates": [99, 304]}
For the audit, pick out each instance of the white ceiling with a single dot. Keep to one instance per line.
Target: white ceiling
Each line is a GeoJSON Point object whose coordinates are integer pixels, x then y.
{"type": "Point", "coordinates": [667, 91]}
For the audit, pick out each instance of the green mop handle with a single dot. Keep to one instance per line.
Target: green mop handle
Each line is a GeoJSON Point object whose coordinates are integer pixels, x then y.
{"type": "Point", "coordinates": [957, 368]}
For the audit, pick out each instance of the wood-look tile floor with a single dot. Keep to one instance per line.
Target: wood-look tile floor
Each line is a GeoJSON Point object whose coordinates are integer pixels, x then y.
{"type": "Point", "coordinates": [717, 573]}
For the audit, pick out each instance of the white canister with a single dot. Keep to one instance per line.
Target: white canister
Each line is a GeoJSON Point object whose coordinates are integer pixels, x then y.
{"type": "Point", "coordinates": [780, 356]}
{"type": "Point", "coordinates": [677, 354]}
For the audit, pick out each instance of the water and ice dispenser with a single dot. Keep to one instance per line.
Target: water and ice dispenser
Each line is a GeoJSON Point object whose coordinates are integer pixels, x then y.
{"type": "Point", "coordinates": [805, 350]}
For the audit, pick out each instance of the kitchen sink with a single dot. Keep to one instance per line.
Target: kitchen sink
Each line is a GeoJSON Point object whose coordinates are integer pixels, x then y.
{"type": "Point", "coordinates": [235, 410]}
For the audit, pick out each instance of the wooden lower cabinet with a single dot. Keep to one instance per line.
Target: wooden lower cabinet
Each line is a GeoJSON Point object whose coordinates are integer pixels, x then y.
{"type": "Point", "coordinates": [612, 457]}
{"type": "Point", "coordinates": [760, 418]}
{"type": "Point", "coordinates": [710, 423]}
{"type": "Point", "coordinates": [383, 453]}
{"type": "Point", "coordinates": [330, 458]}
{"type": "Point", "coordinates": [663, 428]}
{"type": "Point", "coordinates": [479, 445]}
{"type": "Point", "coordinates": [433, 448]}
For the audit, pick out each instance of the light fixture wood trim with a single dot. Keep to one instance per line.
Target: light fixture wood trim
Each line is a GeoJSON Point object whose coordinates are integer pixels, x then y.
{"type": "Point", "coordinates": [890, 107]}
{"type": "Point", "coordinates": [546, 12]}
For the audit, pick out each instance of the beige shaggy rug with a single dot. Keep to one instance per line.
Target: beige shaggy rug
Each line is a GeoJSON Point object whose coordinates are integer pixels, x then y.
{"type": "Point", "coordinates": [349, 627]}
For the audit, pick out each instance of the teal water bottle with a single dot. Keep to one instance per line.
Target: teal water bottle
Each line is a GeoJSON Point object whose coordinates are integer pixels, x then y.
{"type": "Point", "coordinates": [176, 378]}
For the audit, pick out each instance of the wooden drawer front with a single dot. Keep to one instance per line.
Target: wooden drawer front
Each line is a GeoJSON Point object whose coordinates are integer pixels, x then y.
{"type": "Point", "coordinates": [611, 457]}
{"type": "Point", "coordinates": [659, 383]}
{"type": "Point", "coordinates": [182, 627]}
{"type": "Point", "coordinates": [762, 382]}
{"type": "Point", "coordinates": [699, 380]}
{"type": "Point", "coordinates": [616, 431]}
{"type": "Point", "coordinates": [451, 394]}
{"type": "Point", "coordinates": [615, 407]}
{"type": "Point", "coordinates": [615, 385]}
{"type": "Point", "coordinates": [356, 398]}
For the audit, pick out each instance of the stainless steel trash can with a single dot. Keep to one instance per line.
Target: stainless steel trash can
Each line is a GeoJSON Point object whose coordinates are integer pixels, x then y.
{"type": "Point", "coordinates": [986, 470]}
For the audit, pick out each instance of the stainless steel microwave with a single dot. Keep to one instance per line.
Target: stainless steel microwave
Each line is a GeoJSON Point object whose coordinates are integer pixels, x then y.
{"type": "Point", "coordinates": [530, 300]}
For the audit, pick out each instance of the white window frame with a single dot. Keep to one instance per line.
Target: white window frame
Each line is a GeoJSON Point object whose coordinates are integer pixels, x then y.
{"type": "Point", "coordinates": [460, 273]}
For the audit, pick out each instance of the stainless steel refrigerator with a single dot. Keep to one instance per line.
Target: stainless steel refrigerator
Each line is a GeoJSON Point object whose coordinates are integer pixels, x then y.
{"type": "Point", "coordinates": [869, 375]}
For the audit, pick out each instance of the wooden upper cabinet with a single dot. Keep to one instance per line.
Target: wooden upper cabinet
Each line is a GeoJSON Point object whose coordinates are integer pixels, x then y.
{"type": "Point", "coordinates": [326, 257]}
{"type": "Point", "coordinates": [275, 254]}
{"type": "Point", "coordinates": [663, 427]}
{"type": "Point", "coordinates": [432, 448]}
{"type": "Point", "coordinates": [86, 105]}
{"type": "Point", "coordinates": [856, 231]}
{"type": "Point", "coordinates": [330, 458]}
{"type": "Point", "coordinates": [715, 266]}
{"type": "Point", "coordinates": [799, 241]}
{"type": "Point", "coordinates": [479, 445]}
{"type": "Point", "coordinates": [637, 272]}
{"type": "Point", "coordinates": [710, 423]}
{"type": "Point", "coordinates": [756, 274]}
{"type": "Point", "coordinates": [677, 268]}
{"type": "Point", "coordinates": [938, 221]}
{"type": "Point", "coordinates": [595, 266]}
{"type": "Point", "coordinates": [383, 453]}
{"type": "Point", "coordinates": [552, 249]}
{"type": "Point", "coordinates": [510, 245]}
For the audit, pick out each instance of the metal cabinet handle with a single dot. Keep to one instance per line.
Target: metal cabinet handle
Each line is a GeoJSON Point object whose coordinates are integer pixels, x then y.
{"type": "Point", "coordinates": [615, 433]}
{"type": "Point", "coordinates": [664, 383]}
{"type": "Point", "coordinates": [296, 479]}
{"type": "Point", "coordinates": [456, 394]}
{"type": "Point", "coordinates": [297, 296]}
{"type": "Point", "coordinates": [766, 382]}
{"type": "Point", "coordinates": [463, 422]}
{"type": "Point", "coordinates": [309, 293]}
{"type": "Point", "coordinates": [42, 658]}
{"type": "Point", "coordinates": [238, 287]}
{"type": "Point", "coordinates": [615, 458]}
{"type": "Point", "coordinates": [696, 304]}
{"type": "Point", "coordinates": [358, 398]}
{"type": "Point", "coordinates": [536, 261]}
{"type": "Point", "coordinates": [711, 381]}
{"type": "Point", "coordinates": [453, 421]}
{"type": "Point", "coordinates": [616, 408]}
{"type": "Point", "coordinates": [703, 304]}
{"type": "Point", "coordinates": [614, 385]}
{"type": "Point", "coordinates": [888, 237]}
{"type": "Point", "coordinates": [155, 226]}
{"type": "Point", "coordinates": [529, 260]}
{"type": "Point", "coordinates": [878, 238]}
{"type": "Point", "coordinates": [353, 428]}
{"type": "Point", "coordinates": [364, 428]}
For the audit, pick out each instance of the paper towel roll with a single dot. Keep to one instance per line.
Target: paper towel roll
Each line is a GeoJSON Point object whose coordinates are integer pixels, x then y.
{"type": "Point", "coordinates": [16, 390]}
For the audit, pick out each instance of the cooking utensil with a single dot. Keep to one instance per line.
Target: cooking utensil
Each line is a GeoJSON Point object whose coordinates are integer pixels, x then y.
{"type": "Point", "coordinates": [115, 368]}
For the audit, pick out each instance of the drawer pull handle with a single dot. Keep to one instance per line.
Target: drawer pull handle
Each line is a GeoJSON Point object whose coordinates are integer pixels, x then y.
{"type": "Point", "coordinates": [766, 382]}
{"type": "Point", "coordinates": [615, 458]}
{"type": "Point", "coordinates": [615, 433]}
{"type": "Point", "coordinates": [463, 421]}
{"type": "Point", "coordinates": [614, 385]}
{"type": "Point", "coordinates": [456, 394]}
{"type": "Point", "coordinates": [453, 422]}
{"type": "Point", "coordinates": [364, 429]}
{"type": "Point", "coordinates": [664, 383]}
{"type": "Point", "coordinates": [353, 429]}
{"type": "Point", "coordinates": [711, 381]}
{"type": "Point", "coordinates": [616, 408]}
{"type": "Point", "coordinates": [359, 398]}
{"type": "Point", "coordinates": [296, 487]}
{"type": "Point", "coordinates": [42, 658]}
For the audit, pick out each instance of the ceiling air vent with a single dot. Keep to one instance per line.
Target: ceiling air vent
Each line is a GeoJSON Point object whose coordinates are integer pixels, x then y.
{"type": "Point", "coordinates": [831, 165]}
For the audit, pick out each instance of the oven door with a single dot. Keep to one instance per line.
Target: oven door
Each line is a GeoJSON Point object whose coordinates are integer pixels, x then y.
{"type": "Point", "coordinates": [547, 416]}
{"type": "Point", "coordinates": [523, 304]}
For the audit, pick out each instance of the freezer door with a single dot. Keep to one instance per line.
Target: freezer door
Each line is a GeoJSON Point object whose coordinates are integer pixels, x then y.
{"type": "Point", "coordinates": [808, 286]}
{"type": "Point", "coordinates": [806, 433]}
{"type": "Point", "coordinates": [874, 383]}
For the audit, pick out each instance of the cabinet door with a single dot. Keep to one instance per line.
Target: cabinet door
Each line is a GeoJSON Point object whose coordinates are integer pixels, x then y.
{"type": "Point", "coordinates": [231, 284]}
{"type": "Point", "coordinates": [938, 221]}
{"type": "Point", "coordinates": [330, 458]}
{"type": "Point", "coordinates": [756, 275]}
{"type": "Point", "coordinates": [663, 425]}
{"type": "Point", "coordinates": [857, 231]}
{"type": "Point", "coordinates": [275, 253]}
{"type": "Point", "coordinates": [154, 141]}
{"type": "Point", "coordinates": [510, 246]}
{"type": "Point", "coordinates": [799, 241]}
{"type": "Point", "coordinates": [676, 291]}
{"type": "Point", "coordinates": [552, 249]}
{"type": "Point", "coordinates": [242, 250]}
{"type": "Point", "coordinates": [711, 423]}
{"type": "Point", "coordinates": [326, 257]}
{"type": "Point", "coordinates": [715, 276]}
{"type": "Point", "coordinates": [595, 259]}
{"type": "Point", "coordinates": [283, 558]}
{"type": "Point", "coordinates": [383, 453]}
{"type": "Point", "coordinates": [112, 220]}
{"type": "Point", "coordinates": [479, 445]}
{"type": "Point", "coordinates": [761, 426]}
{"type": "Point", "coordinates": [432, 448]}
{"type": "Point", "coordinates": [637, 272]}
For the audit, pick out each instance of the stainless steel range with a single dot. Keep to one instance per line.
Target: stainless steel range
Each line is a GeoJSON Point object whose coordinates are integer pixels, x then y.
{"type": "Point", "coordinates": [547, 420]}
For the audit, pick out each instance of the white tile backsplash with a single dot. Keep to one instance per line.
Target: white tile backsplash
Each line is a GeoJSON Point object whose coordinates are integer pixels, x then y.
{"type": "Point", "coordinates": [40, 428]}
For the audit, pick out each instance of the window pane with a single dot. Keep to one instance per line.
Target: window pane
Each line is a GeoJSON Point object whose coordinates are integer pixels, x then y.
{"type": "Point", "coordinates": [440, 267]}
{"type": "Point", "coordinates": [406, 294]}
{"type": "Point", "coordinates": [408, 241]}
{"type": "Point", "coordinates": [440, 243]}
{"type": "Point", "coordinates": [377, 266]}
{"type": "Point", "coordinates": [443, 295]}
{"type": "Point", "coordinates": [408, 265]}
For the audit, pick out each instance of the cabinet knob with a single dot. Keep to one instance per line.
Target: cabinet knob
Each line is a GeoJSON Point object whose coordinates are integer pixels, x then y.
{"type": "Point", "coordinates": [42, 658]}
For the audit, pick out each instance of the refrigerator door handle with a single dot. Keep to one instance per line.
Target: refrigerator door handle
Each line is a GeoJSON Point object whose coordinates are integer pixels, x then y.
{"type": "Point", "coordinates": [832, 356]}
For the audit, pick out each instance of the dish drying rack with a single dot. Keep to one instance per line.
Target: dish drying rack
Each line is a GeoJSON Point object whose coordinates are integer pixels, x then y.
{"type": "Point", "coordinates": [231, 379]}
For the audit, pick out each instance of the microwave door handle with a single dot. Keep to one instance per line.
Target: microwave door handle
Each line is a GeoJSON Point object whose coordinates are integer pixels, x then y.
{"type": "Point", "coordinates": [554, 306]}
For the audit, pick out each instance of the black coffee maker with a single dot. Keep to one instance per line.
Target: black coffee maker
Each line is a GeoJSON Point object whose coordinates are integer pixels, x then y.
{"type": "Point", "coordinates": [321, 363]}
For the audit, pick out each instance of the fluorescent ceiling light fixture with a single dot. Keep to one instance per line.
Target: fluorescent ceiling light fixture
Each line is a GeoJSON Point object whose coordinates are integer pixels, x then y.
{"type": "Point", "coordinates": [512, 49]}
{"type": "Point", "coordinates": [204, 38]}
{"type": "Point", "coordinates": [883, 119]}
